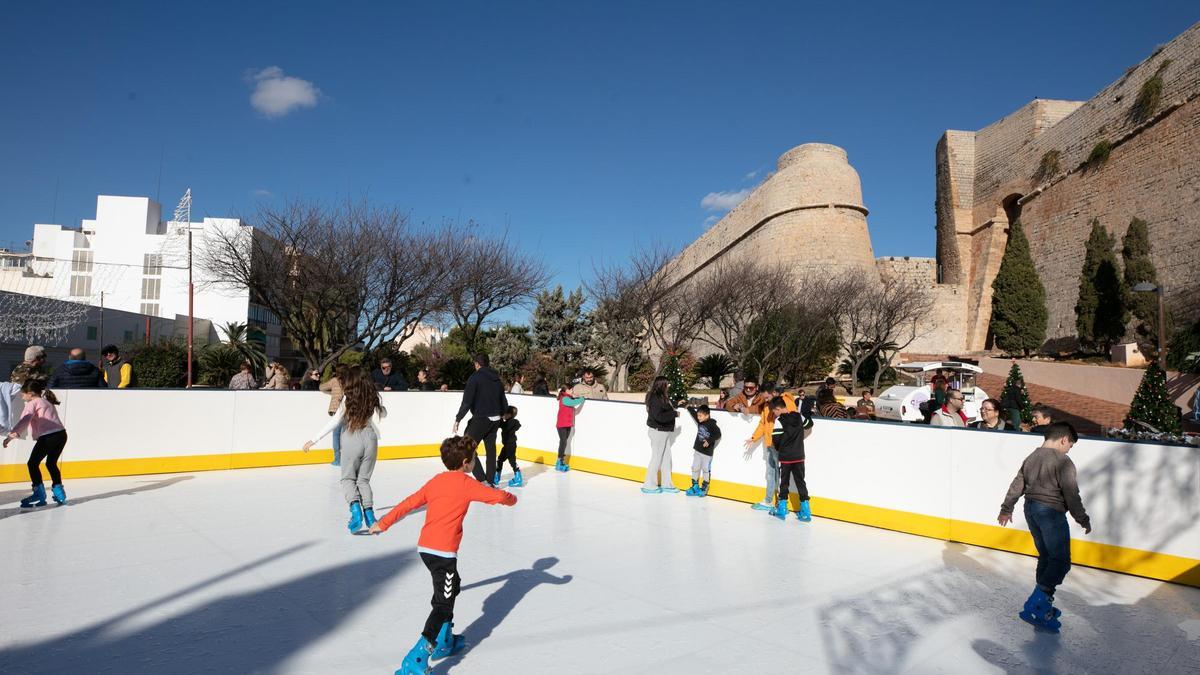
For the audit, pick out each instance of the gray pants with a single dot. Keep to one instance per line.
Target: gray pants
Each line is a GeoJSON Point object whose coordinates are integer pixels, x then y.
{"type": "Point", "coordinates": [771, 457]}
{"type": "Point", "coordinates": [701, 466]}
{"type": "Point", "coordinates": [359, 450]}
{"type": "Point", "coordinates": [660, 460]}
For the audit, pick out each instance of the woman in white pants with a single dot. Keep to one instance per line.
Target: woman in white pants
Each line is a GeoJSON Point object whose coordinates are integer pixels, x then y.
{"type": "Point", "coordinates": [660, 423]}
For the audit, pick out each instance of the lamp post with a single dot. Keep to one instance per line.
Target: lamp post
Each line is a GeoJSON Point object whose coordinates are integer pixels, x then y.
{"type": "Point", "coordinates": [1147, 287]}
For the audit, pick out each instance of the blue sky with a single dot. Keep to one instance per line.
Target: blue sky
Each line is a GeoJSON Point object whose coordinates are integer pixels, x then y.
{"type": "Point", "coordinates": [580, 126]}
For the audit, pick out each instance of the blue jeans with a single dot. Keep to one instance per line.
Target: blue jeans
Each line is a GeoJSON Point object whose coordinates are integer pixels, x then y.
{"type": "Point", "coordinates": [1052, 538]}
{"type": "Point", "coordinates": [337, 444]}
{"type": "Point", "coordinates": [771, 457]}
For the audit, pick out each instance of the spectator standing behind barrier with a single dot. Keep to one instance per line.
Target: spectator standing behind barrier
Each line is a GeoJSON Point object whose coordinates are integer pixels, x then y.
{"type": "Point", "coordinates": [866, 404]}
{"type": "Point", "coordinates": [387, 378]}
{"type": "Point", "coordinates": [1042, 417]}
{"type": "Point", "coordinates": [278, 378]}
{"type": "Point", "coordinates": [423, 381]}
{"type": "Point", "coordinates": [11, 403]}
{"type": "Point", "coordinates": [244, 379]}
{"type": "Point", "coordinates": [590, 388]}
{"type": "Point", "coordinates": [118, 373]}
{"type": "Point", "coordinates": [312, 381]}
{"type": "Point", "coordinates": [484, 398]}
{"type": "Point", "coordinates": [1048, 482]}
{"type": "Point", "coordinates": [828, 405]}
{"type": "Point", "coordinates": [541, 387]}
{"type": "Point", "coordinates": [333, 387]}
{"type": "Point", "coordinates": [1010, 402]}
{"type": "Point", "coordinates": [660, 420]}
{"type": "Point", "coordinates": [748, 401]}
{"type": "Point", "coordinates": [950, 414]}
{"type": "Point", "coordinates": [77, 373]}
{"type": "Point", "coordinates": [516, 385]}
{"type": "Point", "coordinates": [33, 367]}
{"type": "Point", "coordinates": [989, 416]}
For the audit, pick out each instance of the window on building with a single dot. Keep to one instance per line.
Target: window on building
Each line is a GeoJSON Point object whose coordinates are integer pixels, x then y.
{"type": "Point", "coordinates": [152, 264]}
{"type": "Point", "coordinates": [81, 286]}
{"type": "Point", "coordinates": [81, 261]}
{"type": "Point", "coordinates": [150, 308]}
{"type": "Point", "coordinates": [91, 332]}
{"type": "Point", "coordinates": [151, 288]}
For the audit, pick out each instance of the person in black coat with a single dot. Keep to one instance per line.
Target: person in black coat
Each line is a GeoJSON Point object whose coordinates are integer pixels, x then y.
{"type": "Point", "coordinates": [660, 421]}
{"type": "Point", "coordinates": [77, 373]}
{"type": "Point", "coordinates": [387, 378]}
{"type": "Point", "coordinates": [484, 398]}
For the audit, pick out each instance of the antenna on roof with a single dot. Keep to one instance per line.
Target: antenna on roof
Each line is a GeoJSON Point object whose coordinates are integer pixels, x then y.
{"type": "Point", "coordinates": [183, 212]}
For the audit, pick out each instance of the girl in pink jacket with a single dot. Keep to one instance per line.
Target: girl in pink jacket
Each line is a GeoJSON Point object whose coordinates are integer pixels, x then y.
{"type": "Point", "coordinates": [567, 405]}
{"type": "Point", "coordinates": [50, 437]}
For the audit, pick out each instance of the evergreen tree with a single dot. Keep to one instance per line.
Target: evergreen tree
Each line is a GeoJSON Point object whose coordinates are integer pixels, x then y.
{"type": "Point", "coordinates": [1019, 313]}
{"type": "Point", "coordinates": [1100, 313]}
{"type": "Point", "coordinates": [1015, 377]}
{"type": "Point", "coordinates": [1139, 267]}
{"type": "Point", "coordinates": [676, 389]}
{"type": "Point", "coordinates": [1152, 405]}
{"type": "Point", "coordinates": [560, 328]}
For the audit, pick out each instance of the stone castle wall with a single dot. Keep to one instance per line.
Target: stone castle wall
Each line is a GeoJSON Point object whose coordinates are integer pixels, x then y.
{"type": "Point", "coordinates": [1152, 173]}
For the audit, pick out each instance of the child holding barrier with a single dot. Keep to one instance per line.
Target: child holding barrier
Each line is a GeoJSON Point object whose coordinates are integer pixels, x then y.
{"type": "Point", "coordinates": [707, 436]}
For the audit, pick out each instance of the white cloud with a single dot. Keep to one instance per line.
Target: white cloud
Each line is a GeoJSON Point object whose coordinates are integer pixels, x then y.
{"type": "Point", "coordinates": [708, 222]}
{"type": "Point", "coordinates": [752, 175]}
{"type": "Point", "coordinates": [723, 201]}
{"type": "Point", "coordinates": [276, 94]}
{"type": "Point", "coordinates": [262, 194]}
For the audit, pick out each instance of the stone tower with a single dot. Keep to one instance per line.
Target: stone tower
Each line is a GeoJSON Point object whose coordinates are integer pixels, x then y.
{"type": "Point", "coordinates": [808, 215]}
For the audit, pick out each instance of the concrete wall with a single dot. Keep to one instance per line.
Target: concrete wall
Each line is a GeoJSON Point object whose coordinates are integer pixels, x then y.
{"type": "Point", "coordinates": [943, 483]}
{"type": "Point", "coordinates": [1116, 385]}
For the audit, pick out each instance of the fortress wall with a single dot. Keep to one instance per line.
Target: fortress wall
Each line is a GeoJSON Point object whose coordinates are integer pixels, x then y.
{"type": "Point", "coordinates": [955, 167]}
{"type": "Point", "coordinates": [943, 330]}
{"type": "Point", "coordinates": [1156, 177]}
{"type": "Point", "coordinates": [914, 270]}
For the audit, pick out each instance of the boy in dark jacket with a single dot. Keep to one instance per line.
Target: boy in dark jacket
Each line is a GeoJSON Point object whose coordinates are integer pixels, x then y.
{"type": "Point", "coordinates": [788, 440]}
{"type": "Point", "coordinates": [509, 424]}
{"type": "Point", "coordinates": [1047, 481]}
{"type": "Point", "coordinates": [707, 435]}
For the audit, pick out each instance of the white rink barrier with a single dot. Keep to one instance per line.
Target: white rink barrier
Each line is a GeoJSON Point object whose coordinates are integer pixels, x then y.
{"type": "Point", "coordinates": [1144, 498]}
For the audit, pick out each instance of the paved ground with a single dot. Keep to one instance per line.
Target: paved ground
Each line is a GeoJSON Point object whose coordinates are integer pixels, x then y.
{"type": "Point", "coordinates": [1089, 415]}
{"type": "Point", "coordinates": [253, 572]}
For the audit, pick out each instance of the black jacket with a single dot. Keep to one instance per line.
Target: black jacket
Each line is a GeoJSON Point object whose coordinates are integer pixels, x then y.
{"type": "Point", "coordinates": [484, 395]}
{"type": "Point", "coordinates": [1011, 398]}
{"type": "Point", "coordinates": [77, 375]}
{"type": "Point", "coordinates": [660, 414]}
{"type": "Point", "coordinates": [788, 436]}
{"type": "Point", "coordinates": [396, 381]}
{"type": "Point", "coordinates": [508, 432]}
{"type": "Point", "coordinates": [705, 431]}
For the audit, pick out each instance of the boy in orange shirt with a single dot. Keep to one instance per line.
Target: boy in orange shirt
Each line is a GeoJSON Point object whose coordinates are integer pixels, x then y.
{"type": "Point", "coordinates": [446, 497]}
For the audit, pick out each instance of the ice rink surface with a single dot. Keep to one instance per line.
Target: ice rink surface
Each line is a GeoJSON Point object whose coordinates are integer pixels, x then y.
{"type": "Point", "coordinates": [253, 571]}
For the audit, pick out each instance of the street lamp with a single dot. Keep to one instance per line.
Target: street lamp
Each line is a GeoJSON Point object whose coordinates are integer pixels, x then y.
{"type": "Point", "coordinates": [1147, 287]}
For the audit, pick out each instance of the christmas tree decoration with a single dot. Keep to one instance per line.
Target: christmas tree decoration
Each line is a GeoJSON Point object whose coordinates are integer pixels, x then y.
{"type": "Point", "coordinates": [675, 387]}
{"type": "Point", "coordinates": [1016, 378]}
{"type": "Point", "coordinates": [1152, 405]}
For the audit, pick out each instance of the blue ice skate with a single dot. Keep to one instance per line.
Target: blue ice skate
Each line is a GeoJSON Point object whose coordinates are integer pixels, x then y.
{"type": "Point", "coordinates": [496, 479]}
{"type": "Point", "coordinates": [695, 489]}
{"type": "Point", "coordinates": [669, 488]}
{"type": "Point", "coordinates": [1040, 612]}
{"type": "Point", "coordinates": [703, 491]}
{"type": "Point", "coordinates": [781, 510]}
{"type": "Point", "coordinates": [517, 480]}
{"type": "Point", "coordinates": [368, 516]}
{"type": "Point", "coordinates": [60, 495]}
{"type": "Point", "coordinates": [652, 491]}
{"type": "Point", "coordinates": [38, 498]}
{"type": "Point", "coordinates": [356, 518]}
{"type": "Point", "coordinates": [417, 660]}
{"type": "Point", "coordinates": [805, 513]}
{"type": "Point", "coordinates": [448, 644]}
{"type": "Point", "coordinates": [763, 506]}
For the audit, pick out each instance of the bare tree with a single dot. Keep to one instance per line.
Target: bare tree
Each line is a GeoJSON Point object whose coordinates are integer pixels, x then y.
{"type": "Point", "coordinates": [799, 338]}
{"type": "Point", "coordinates": [493, 276]}
{"type": "Point", "coordinates": [734, 297]}
{"type": "Point", "coordinates": [616, 338]}
{"type": "Point", "coordinates": [648, 289]}
{"type": "Point", "coordinates": [882, 321]}
{"type": "Point", "coordinates": [337, 277]}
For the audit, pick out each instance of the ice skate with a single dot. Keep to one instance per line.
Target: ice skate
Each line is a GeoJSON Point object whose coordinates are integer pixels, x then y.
{"type": "Point", "coordinates": [703, 491]}
{"type": "Point", "coordinates": [38, 498]}
{"type": "Point", "coordinates": [496, 479]}
{"type": "Point", "coordinates": [517, 480]}
{"type": "Point", "coordinates": [448, 644]}
{"type": "Point", "coordinates": [356, 518]}
{"type": "Point", "coordinates": [1040, 612]}
{"type": "Point", "coordinates": [669, 488]}
{"type": "Point", "coordinates": [368, 517]}
{"type": "Point", "coordinates": [60, 495]}
{"type": "Point", "coordinates": [805, 513]}
{"type": "Point", "coordinates": [695, 489]}
{"type": "Point", "coordinates": [417, 660]}
{"type": "Point", "coordinates": [781, 510]}
{"type": "Point", "coordinates": [764, 505]}
{"type": "Point", "coordinates": [651, 491]}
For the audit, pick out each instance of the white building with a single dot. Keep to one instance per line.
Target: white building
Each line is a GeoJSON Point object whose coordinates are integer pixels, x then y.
{"type": "Point", "coordinates": [128, 258]}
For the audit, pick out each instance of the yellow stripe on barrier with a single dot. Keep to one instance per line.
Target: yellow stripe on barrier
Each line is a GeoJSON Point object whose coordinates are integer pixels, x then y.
{"type": "Point", "coordinates": [1149, 564]}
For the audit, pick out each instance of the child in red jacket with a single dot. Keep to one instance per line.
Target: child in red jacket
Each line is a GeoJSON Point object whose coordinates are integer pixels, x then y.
{"type": "Point", "coordinates": [446, 497]}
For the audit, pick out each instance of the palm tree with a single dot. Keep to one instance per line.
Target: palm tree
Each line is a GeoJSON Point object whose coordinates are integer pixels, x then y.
{"type": "Point", "coordinates": [248, 342]}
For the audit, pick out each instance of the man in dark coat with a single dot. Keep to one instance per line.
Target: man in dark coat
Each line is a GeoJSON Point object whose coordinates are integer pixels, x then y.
{"type": "Point", "coordinates": [484, 398]}
{"type": "Point", "coordinates": [77, 373]}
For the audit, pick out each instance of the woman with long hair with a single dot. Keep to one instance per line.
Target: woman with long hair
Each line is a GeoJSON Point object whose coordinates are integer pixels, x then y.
{"type": "Point", "coordinates": [50, 437]}
{"type": "Point", "coordinates": [360, 444]}
{"type": "Point", "coordinates": [660, 419]}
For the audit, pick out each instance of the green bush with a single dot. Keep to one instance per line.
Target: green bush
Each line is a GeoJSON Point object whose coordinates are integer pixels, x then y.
{"type": "Point", "coordinates": [160, 366]}
{"type": "Point", "coordinates": [456, 371]}
{"type": "Point", "coordinates": [1019, 314]}
{"type": "Point", "coordinates": [714, 367]}
{"type": "Point", "coordinates": [1099, 155]}
{"type": "Point", "coordinates": [1049, 167]}
{"type": "Point", "coordinates": [1149, 96]}
{"type": "Point", "coordinates": [1184, 343]}
{"type": "Point", "coordinates": [218, 364]}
